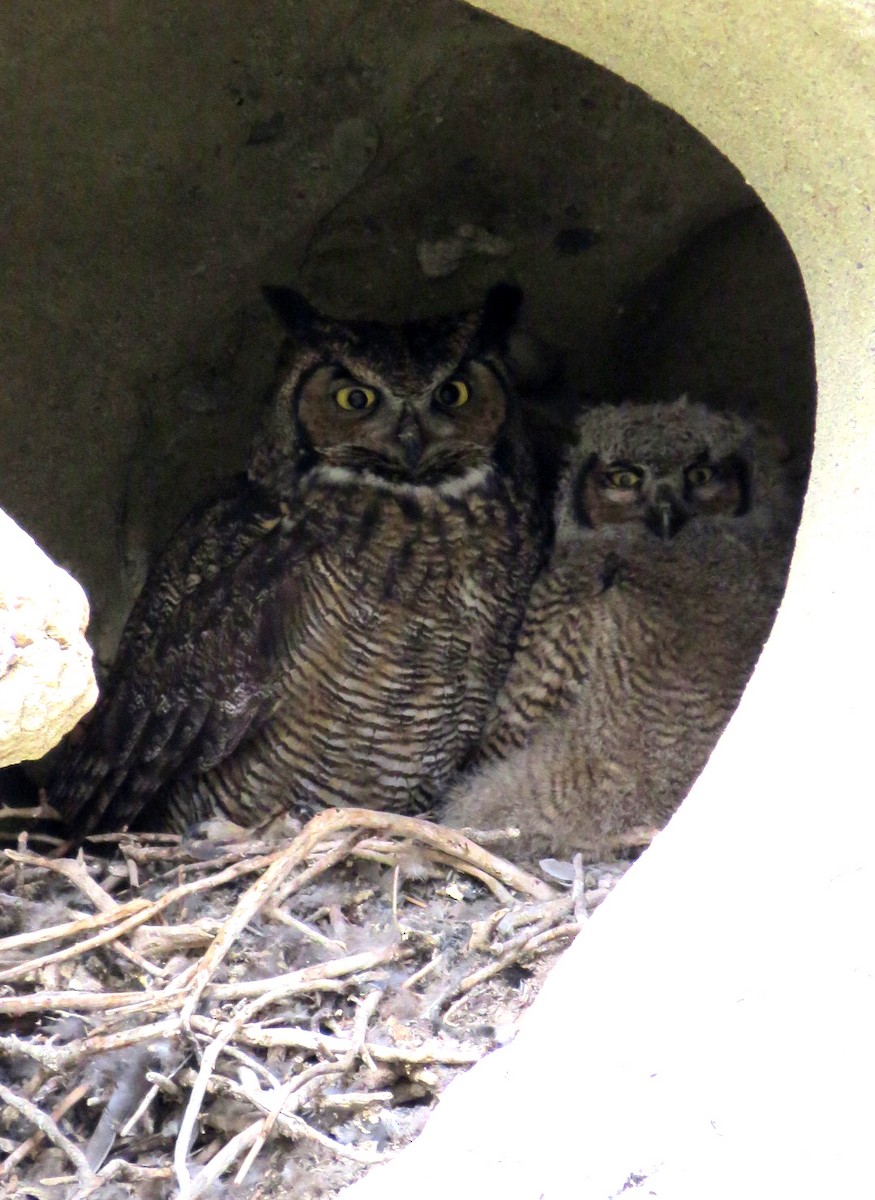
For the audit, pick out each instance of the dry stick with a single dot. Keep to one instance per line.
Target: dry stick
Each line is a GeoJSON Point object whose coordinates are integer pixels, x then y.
{"type": "Point", "coordinates": [525, 914]}
{"type": "Point", "coordinates": [35, 1140]}
{"type": "Point", "coordinates": [306, 979]}
{"type": "Point", "coordinates": [19, 1006]}
{"type": "Point", "coordinates": [578, 890]}
{"type": "Point", "coordinates": [569, 929]}
{"type": "Point", "coordinates": [449, 841]}
{"type": "Point", "coordinates": [190, 1189]}
{"type": "Point", "coordinates": [59, 1059]}
{"type": "Point", "coordinates": [168, 939]}
{"type": "Point", "coordinates": [121, 1166]}
{"type": "Point", "coordinates": [327, 859]}
{"type": "Point", "coordinates": [294, 1126]}
{"type": "Point", "coordinates": [279, 865]}
{"type": "Point", "coordinates": [135, 839]}
{"type": "Point", "coordinates": [143, 911]}
{"type": "Point", "coordinates": [538, 921]}
{"type": "Point", "coordinates": [291, 1124]}
{"type": "Point", "coordinates": [138, 1111]}
{"type": "Point", "coordinates": [46, 1125]}
{"type": "Point", "coordinates": [208, 1063]}
{"type": "Point", "coordinates": [297, 1083]}
{"type": "Point", "coordinates": [53, 933]}
{"type": "Point", "coordinates": [352, 1101]}
{"type": "Point", "coordinates": [518, 946]}
{"type": "Point", "coordinates": [461, 851]}
{"type": "Point", "coordinates": [270, 882]}
{"type": "Point", "coordinates": [412, 980]}
{"type": "Point", "coordinates": [75, 870]}
{"type": "Point", "coordinates": [434, 1051]}
{"type": "Point", "coordinates": [40, 813]}
{"type": "Point", "coordinates": [308, 931]}
{"type": "Point", "coordinates": [46, 1056]}
{"type": "Point", "coordinates": [251, 901]}
{"type": "Point", "coordinates": [255, 1066]}
{"type": "Point", "coordinates": [211, 1054]}
{"type": "Point", "coordinates": [499, 891]}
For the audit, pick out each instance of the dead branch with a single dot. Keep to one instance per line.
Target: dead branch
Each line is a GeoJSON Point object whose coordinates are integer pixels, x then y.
{"type": "Point", "coordinates": [433, 1051]}
{"type": "Point", "coordinates": [49, 1128]}
{"type": "Point", "coordinates": [32, 1143]}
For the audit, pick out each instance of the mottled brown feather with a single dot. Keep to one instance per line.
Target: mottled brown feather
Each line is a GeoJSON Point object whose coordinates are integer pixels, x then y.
{"type": "Point", "coordinates": [635, 648]}
{"type": "Point", "coordinates": [333, 628]}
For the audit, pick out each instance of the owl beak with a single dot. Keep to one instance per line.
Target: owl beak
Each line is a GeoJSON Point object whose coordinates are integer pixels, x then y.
{"type": "Point", "coordinates": [410, 439]}
{"type": "Point", "coordinates": [665, 518]}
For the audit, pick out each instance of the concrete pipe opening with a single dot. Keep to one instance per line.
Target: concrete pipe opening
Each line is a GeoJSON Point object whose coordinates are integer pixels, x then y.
{"type": "Point", "coordinates": [654, 181]}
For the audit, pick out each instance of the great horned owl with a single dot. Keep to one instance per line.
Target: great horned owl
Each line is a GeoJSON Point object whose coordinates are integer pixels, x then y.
{"type": "Point", "coordinates": [674, 526]}
{"type": "Point", "coordinates": [333, 628]}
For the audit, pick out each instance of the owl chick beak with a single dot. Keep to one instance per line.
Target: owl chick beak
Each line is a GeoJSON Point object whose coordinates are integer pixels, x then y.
{"type": "Point", "coordinates": [665, 517]}
{"type": "Point", "coordinates": [410, 439]}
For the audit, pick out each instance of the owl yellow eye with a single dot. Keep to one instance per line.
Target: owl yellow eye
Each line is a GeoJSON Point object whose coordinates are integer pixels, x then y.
{"type": "Point", "coordinates": [623, 478]}
{"type": "Point", "coordinates": [699, 476]}
{"type": "Point", "coordinates": [453, 394]}
{"type": "Point", "coordinates": [355, 398]}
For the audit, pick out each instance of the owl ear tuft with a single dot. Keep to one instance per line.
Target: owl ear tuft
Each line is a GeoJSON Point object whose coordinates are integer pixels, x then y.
{"type": "Point", "coordinates": [297, 314]}
{"type": "Point", "coordinates": [500, 310]}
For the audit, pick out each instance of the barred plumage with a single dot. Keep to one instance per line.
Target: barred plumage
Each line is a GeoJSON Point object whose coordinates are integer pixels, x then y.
{"type": "Point", "coordinates": [674, 531]}
{"type": "Point", "coordinates": [333, 629]}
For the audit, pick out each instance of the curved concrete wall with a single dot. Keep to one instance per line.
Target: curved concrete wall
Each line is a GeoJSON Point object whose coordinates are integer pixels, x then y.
{"type": "Point", "coordinates": [710, 1033]}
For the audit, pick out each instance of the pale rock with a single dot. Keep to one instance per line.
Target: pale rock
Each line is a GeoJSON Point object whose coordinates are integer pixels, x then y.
{"type": "Point", "coordinates": [46, 674]}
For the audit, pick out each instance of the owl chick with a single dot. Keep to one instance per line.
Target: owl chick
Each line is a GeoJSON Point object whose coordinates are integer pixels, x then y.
{"type": "Point", "coordinates": [674, 527]}
{"type": "Point", "coordinates": [332, 629]}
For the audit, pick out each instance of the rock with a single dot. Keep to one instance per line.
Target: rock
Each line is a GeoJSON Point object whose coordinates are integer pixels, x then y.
{"type": "Point", "coordinates": [46, 676]}
{"type": "Point", "coordinates": [443, 257]}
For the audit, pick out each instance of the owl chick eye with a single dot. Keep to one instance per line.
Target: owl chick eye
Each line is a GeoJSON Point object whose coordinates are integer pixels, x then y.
{"type": "Point", "coordinates": [699, 476]}
{"type": "Point", "coordinates": [453, 394]}
{"type": "Point", "coordinates": [355, 398]}
{"type": "Point", "coordinates": [623, 478]}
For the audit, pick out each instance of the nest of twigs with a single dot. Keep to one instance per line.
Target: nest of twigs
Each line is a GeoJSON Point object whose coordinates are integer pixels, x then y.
{"type": "Point", "coordinates": [174, 1013]}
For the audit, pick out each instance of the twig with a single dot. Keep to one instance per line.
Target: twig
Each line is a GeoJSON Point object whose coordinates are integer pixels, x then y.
{"type": "Point", "coordinates": [35, 1140]}
{"type": "Point", "coordinates": [126, 838]}
{"type": "Point", "coordinates": [307, 979]}
{"type": "Point", "coordinates": [209, 1059]}
{"type": "Point", "coordinates": [59, 1059]}
{"type": "Point", "coordinates": [435, 1050]}
{"type": "Point", "coordinates": [283, 918]}
{"type": "Point", "coordinates": [18, 1006]}
{"type": "Point", "coordinates": [248, 905]}
{"type": "Point", "coordinates": [284, 1066]}
{"type": "Point", "coordinates": [299, 1083]}
{"type": "Point", "coordinates": [190, 1188]}
{"type": "Point", "coordinates": [516, 949]}
{"type": "Point", "coordinates": [333, 819]}
{"type": "Point", "coordinates": [41, 812]}
{"type": "Point", "coordinates": [412, 980]}
{"type": "Point", "coordinates": [292, 1124]}
{"type": "Point", "coordinates": [143, 911]}
{"type": "Point", "coordinates": [47, 1126]}
{"type": "Point", "coordinates": [53, 933]}
{"type": "Point", "coordinates": [329, 857]}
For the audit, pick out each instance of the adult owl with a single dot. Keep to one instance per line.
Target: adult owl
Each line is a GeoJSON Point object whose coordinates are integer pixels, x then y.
{"type": "Point", "coordinates": [332, 629]}
{"type": "Point", "coordinates": [674, 527]}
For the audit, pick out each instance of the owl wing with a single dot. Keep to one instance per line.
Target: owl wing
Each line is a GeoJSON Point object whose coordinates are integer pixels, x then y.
{"type": "Point", "coordinates": [198, 664]}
